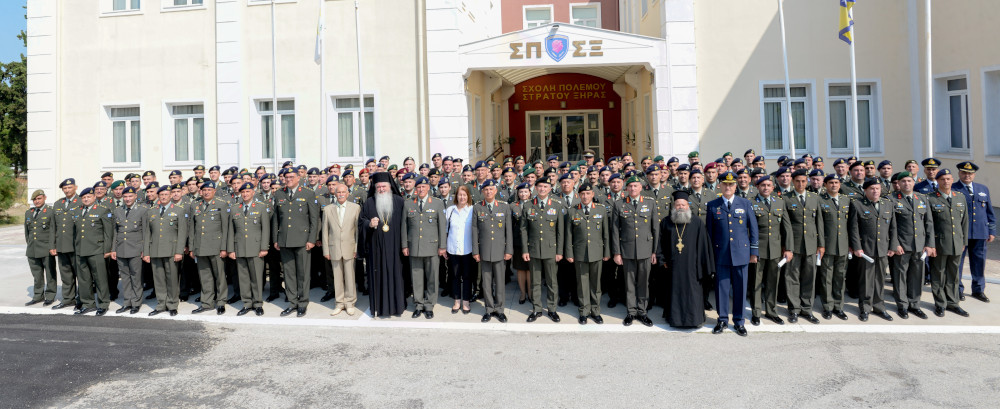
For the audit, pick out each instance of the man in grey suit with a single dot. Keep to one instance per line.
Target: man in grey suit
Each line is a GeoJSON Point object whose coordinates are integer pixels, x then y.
{"type": "Point", "coordinates": [166, 230]}
{"type": "Point", "coordinates": [634, 235]}
{"type": "Point", "coordinates": [40, 237]}
{"type": "Point", "coordinates": [209, 232]}
{"type": "Point", "coordinates": [423, 234]}
{"type": "Point", "coordinates": [340, 246]}
{"type": "Point", "coordinates": [492, 245]}
{"type": "Point", "coordinates": [127, 247]}
{"type": "Point", "coordinates": [587, 247]}
{"type": "Point", "coordinates": [915, 228]}
{"type": "Point", "coordinates": [249, 232]}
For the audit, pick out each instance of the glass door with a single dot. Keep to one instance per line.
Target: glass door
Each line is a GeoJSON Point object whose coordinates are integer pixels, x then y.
{"type": "Point", "coordinates": [566, 135]}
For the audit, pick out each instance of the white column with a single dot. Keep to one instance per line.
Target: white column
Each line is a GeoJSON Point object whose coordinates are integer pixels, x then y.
{"type": "Point", "coordinates": [229, 103]}
{"type": "Point", "coordinates": [43, 98]}
{"type": "Point", "coordinates": [448, 108]}
{"type": "Point", "coordinates": [676, 82]}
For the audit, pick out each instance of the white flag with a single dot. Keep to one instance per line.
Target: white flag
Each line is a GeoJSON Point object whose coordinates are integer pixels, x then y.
{"type": "Point", "coordinates": [318, 56]}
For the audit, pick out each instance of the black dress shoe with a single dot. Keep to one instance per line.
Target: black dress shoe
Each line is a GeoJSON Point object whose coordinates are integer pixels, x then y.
{"type": "Point", "coordinates": [87, 310]}
{"type": "Point", "coordinates": [597, 319]}
{"type": "Point", "coordinates": [554, 316]}
{"type": "Point", "coordinates": [48, 302]}
{"type": "Point", "coordinates": [327, 297]}
{"type": "Point", "coordinates": [863, 316]}
{"type": "Point", "coordinates": [233, 300]}
{"type": "Point", "coordinates": [740, 330]}
{"type": "Point", "coordinates": [151, 296]}
{"type": "Point", "coordinates": [501, 317]}
{"type": "Point", "coordinates": [902, 313]}
{"type": "Point", "coordinates": [534, 316]}
{"type": "Point", "coordinates": [755, 321]}
{"type": "Point", "coordinates": [582, 320]}
{"type": "Point", "coordinates": [428, 314]}
{"type": "Point", "coordinates": [961, 297]}
{"type": "Point", "coordinates": [628, 320]}
{"type": "Point", "coordinates": [32, 302]}
{"type": "Point", "coordinates": [521, 301]}
{"type": "Point", "coordinates": [884, 315]}
{"type": "Point", "coordinates": [840, 314]}
{"type": "Point", "coordinates": [61, 306]}
{"type": "Point", "coordinates": [173, 313]}
{"type": "Point", "coordinates": [416, 314]}
{"type": "Point", "coordinates": [101, 312]}
{"type": "Point", "coordinates": [792, 318]}
{"type": "Point", "coordinates": [981, 297]}
{"type": "Point", "coordinates": [719, 327]}
{"type": "Point", "coordinates": [154, 313]}
{"type": "Point", "coordinates": [644, 319]}
{"type": "Point", "coordinates": [133, 310]}
{"type": "Point", "coordinates": [121, 310]}
{"type": "Point", "coordinates": [827, 314]}
{"type": "Point", "coordinates": [243, 311]}
{"type": "Point", "coordinates": [200, 310]}
{"type": "Point", "coordinates": [939, 311]}
{"type": "Point", "coordinates": [221, 310]}
{"type": "Point", "coordinates": [958, 310]}
{"type": "Point", "coordinates": [301, 313]}
{"type": "Point", "coordinates": [464, 311]}
{"type": "Point", "coordinates": [775, 319]}
{"type": "Point", "coordinates": [917, 312]}
{"type": "Point", "coordinates": [708, 306]}
{"type": "Point", "coordinates": [271, 297]}
{"type": "Point", "coordinates": [487, 317]}
{"type": "Point", "coordinates": [809, 317]}
{"type": "Point", "coordinates": [259, 311]}
{"type": "Point", "coordinates": [287, 311]}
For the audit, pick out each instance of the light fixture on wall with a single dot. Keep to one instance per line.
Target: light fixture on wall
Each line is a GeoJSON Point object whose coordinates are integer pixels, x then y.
{"type": "Point", "coordinates": [562, 104]}
{"type": "Point", "coordinates": [611, 104]}
{"type": "Point", "coordinates": [517, 106]}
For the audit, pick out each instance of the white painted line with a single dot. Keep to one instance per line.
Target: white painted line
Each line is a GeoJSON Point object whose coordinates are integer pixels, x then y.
{"type": "Point", "coordinates": [530, 328]}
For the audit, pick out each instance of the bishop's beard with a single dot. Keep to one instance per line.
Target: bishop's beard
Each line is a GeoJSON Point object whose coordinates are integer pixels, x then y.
{"type": "Point", "coordinates": [681, 216]}
{"type": "Point", "coordinates": [383, 205]}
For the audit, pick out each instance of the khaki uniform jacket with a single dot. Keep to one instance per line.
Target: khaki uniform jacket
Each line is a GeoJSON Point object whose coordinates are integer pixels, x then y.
{"type": "Point", "coordinates": [296, 217]}
{"type": "Point", "coordinates": [93, 233]}
{"type": "Point", "coordinates": [699, 202]}
{"type": "Point", "coordinates": [208, 228]}
{"type": "Point", "coordinates": [807, 223]}
{"type": "Point", "coordinates": [130, 231]}
{"type": "Point", "coordinates": [871, 230]}
{"type": "Point", "coordinates": [587, 237]}
{"type": "Point", "coordinates": [168, 233]}
{"type": "Point", "coordinates": [340, 237]}
{"type": "Point", "coordinates": [249, 233]}
{"type": "Point", "coordinates": [64, 209]}
{"type": "Point", "coordinates": [634, 234]}
{"type": "Point", "coordinates": [774, 228]}
{"type": "Point", "coordinates": [492, 236]}
{"type": "Point", "coordinates": [424, 232]}
{"type": "Point", "coordinates": [951, 222]}
{"type": "Point", "coordinates": [39, 232]}
{"type": "Point", "coordinates": [835, 223]}
{"type": "Point", "coordinates": [663, 197]}
{"type": "Point", "coordinates": [914, 223]}
{"type": "Point", "coordinates": [542, 229]}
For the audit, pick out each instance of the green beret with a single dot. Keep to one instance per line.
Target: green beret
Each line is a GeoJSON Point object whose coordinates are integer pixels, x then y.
{"type": "Point", "coordinates": [693, 154]}
{"type": "Point", "coordinates": [116, 184]}
{"type": "Point", "coordinates": [633, 179]}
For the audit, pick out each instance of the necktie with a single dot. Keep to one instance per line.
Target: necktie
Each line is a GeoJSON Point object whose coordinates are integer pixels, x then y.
{"type": "Point", "coordinates": [729, 206]}
{"type": "Point", "coordinates": [909, 201]}
{"type": "Point", "coordinates": [586, 210]}
{"type": "Point", "coordinates": [836, 201]}
{"type": "Point", "coordinates": [876, 206]}
{"type": "Point", "coordinates": [35, 215]}
{"type": "Point", "coordinates": [949, 200]}
{"type": "Point", "coordinates": [969, 188]}
{"type": "Point", "coordinates": [655, 192]}
{"type": "Point", "coordinates": [490, 207]}
{"type": "Point", "coordinates": [934, 185]}
{"type": "Point", "coordinates": [162, 209]}
{"type": "Point", "coordinates": [697, 196]}
{"type": "Point", "coordinates": [246, 209]}
{"type": "Point", "coordinates": [802, 199]}
{"type": "Point", "coordinates": [126, 212]}
{"type": "Point", "coordinates": [84, 212]}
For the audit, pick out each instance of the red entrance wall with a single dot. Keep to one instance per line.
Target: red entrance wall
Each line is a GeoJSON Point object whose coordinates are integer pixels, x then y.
{"type": "Point", "coordinates": [580, 91]}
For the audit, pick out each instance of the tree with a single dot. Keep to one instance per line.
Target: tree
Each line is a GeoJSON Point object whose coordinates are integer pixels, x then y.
{"type": "Point", "coordinates": [14, 112]}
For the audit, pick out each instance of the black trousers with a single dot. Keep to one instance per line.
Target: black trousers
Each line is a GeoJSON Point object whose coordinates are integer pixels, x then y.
{"type": "Point", "coordinates": [566, 274]}
{"type": "Point", "coordinates": [463, 269]}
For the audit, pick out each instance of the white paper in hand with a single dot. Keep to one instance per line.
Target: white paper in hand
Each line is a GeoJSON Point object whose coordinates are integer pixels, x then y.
{"type": "Point", "coordinates": [868, 259]}
{"type": "Point", "coordinates": [819, 259]}
{"type": "Point", "coordinates": [782, 262]}
{"type": "Point", "coordinates": [923, 256]}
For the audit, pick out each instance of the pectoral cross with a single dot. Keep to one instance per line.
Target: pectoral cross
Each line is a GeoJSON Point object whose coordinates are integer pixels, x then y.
{"type": "Point", "coordinates": [680, 246]}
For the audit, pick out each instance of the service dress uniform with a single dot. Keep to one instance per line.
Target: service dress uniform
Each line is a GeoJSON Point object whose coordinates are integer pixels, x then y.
{"type": "Point", "coordinates": [40, 237]}
{"type": "Point", "coordinates": [915, 227]}
{"type": "Point", "coordinates": [130, 234]}
{"type": "Point", "coordinates": [209, 233]}
{"type": "Point", "coordinates": [588, 245]}
{"type": "Point", "coordinates": [167, 235]}
{"type": "Point", "coordinates": [634, 236]}
{"type": "Point", "coordinates": [542, 238]}
{"type": "Point", "coordinates": [295, 223]}
{"type": "Point", "coordinates": [93, 235]}
{"type": "Point", "coordinates": [951, 227]}
{"type": "Point", "coordinates": [63, 209]}
{"type": "Point", "coordinates": [832, 273]}
{"type": "Point", "coordinates": [982, 225]}
{"type": "Point", "coordinates": [872, 229]}
{"type": "Point", "coordinates": [774, 237]}
{"type": "Point", "coordinates": [808, 236]}
{"type": "Point", "coordinates": [493, 241]}
{"type": "Point", "coordinates": [249, 235]}
{"type": "Point", "coordinates": [424, 234]}
{"type": "Point", "coordinates": [732, 228]}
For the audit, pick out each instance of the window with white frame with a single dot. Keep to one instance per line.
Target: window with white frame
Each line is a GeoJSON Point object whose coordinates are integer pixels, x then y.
{"type": "Point", "coordinates": [277, 139]}
{"type": "Point", "coordinates": [125, 5]}
{"type": "Point", "coordinates": [183, 3]}
{"type": "Point", "coordinates": [586, 14]}
{"type": "Point", "coordinates": [991, 111]}
{"type": "Point", "coordinates": [842, 118]}
{"type": "Point", "coordinates": [774, 109]}
{"type": "Point", "coordinates": [126, 138]}
{"type": "Point", "coordinates": [350, 143]}
{"type": "Point", "coordinates": [537, 16]}
{"type": "Point", "coordinates": [189, 132]}
{"type": "Point", "coordinates": [958, 113]}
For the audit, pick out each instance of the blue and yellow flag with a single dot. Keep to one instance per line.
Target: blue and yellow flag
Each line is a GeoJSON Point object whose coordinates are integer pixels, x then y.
{"type": "Point", "coordinates": [846, 20]}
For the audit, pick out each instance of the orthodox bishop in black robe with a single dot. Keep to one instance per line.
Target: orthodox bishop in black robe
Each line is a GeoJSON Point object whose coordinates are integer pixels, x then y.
{"type": "Point", "coordinates": [382, 247]}
{"type": "Point", "coordinates": [685, 250]}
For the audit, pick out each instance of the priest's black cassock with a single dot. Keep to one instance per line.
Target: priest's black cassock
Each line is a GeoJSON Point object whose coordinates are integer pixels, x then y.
{"type": "Point", "coordinates": [382, 250]}
{"type": "Point", "coordinates": [687, 268]}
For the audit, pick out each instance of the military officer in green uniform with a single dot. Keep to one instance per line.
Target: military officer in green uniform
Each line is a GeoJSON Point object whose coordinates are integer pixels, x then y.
{"type": "Point", "coordinates": [40, 237]}
{"type": "Point", "coordinates": [852, 188]}
{"type": "Point", "coordinates": [915, 227]}
{"type": "Point", "coordinates": [249, 235]}
{"type": "Point", "coordinates": [492, 246]}
{"type": "Point", "coordinates": [809, 241]}
{"type": "Point", "coordinates": [126, 249]}
{"type": "Point", "coordinates": [542, 240]}
{"type": "Point", "coordinates": [832, 272]}
{"type": "Point", "coordinates": [774, 244]}
{"type": "Point", "coordinates": [951, 226]}
{"type": "Point", "coordinates": [63, 214]}
{"type": "Point", "coordinates": [166, 229]}
{"type": "Point", "coordinates": [424, 239]}
{"type": "Point", "coordinates": [587, 245]}
{"type": "Point", "coordinates": [872, 231]}
{"type": "Point", "coordinates": [93, 234]}
{"type": "Point", "coordinates": [208, 232]}
{"type": "Point", "coordinates": [295, 229]}
{"type": "Point", "coordinates": [634, 237]}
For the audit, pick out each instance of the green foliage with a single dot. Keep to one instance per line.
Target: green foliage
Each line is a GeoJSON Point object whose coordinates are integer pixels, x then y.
{"type": "Point", "coordinates": [14, 113]}
{"type": "Point", "coordinates": [9, 187]}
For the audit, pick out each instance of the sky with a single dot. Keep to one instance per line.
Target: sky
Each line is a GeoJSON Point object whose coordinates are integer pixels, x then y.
{"type": "Point", "coordinates": [11, 23]}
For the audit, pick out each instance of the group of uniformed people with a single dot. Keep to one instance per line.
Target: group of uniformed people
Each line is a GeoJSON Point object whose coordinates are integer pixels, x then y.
{"type": "Point", "coordinates": [576, 227]}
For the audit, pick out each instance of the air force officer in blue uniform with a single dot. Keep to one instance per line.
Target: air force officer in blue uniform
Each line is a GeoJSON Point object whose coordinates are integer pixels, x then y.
{"type": "Point", "coordinates": [732, 228]}
{"type": "Point", "coordinates": [982, 227]}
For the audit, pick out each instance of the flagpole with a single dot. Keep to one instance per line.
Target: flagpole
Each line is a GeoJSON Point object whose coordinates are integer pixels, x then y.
{"type": "Point", "coordinates": [361, 96]}
{"type": "Point", "coordinates": [854, 90]}
{"type": "Point", "coordinates": [322, 87]}
{"type": "Point", "coordinates": [929, 79]}
{"type": "Point", "coordinates": [788, 88]}
{"type": "Point", "coordinates": [274, 93]}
